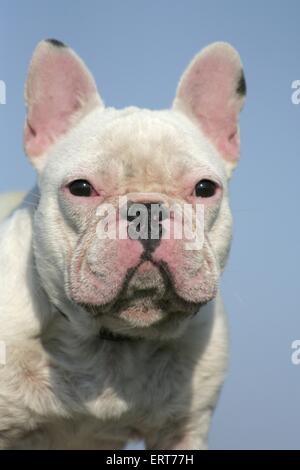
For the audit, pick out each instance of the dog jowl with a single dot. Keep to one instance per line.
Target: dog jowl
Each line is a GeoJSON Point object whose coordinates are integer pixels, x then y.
{"type": "Point", "coordinates": [110, 311]}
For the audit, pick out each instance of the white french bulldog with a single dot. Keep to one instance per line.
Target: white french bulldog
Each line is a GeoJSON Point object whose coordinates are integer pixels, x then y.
{"type": "Point", "coordinates": [113, 339]}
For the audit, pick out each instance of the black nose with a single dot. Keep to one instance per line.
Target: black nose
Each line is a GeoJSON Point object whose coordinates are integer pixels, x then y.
{"type": "Point", "coordinates": [145, 223]}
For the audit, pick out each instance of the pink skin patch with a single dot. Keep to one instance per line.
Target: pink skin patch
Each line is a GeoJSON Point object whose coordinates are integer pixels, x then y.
{"type": "Point", "coordinates": [193, 273]}
{"type": "Point", "coordinates": [96, 278]}
{"type": "Point", "coordinates": [59, 87]}
{"type": "Point", "coordinates": [208, 94]}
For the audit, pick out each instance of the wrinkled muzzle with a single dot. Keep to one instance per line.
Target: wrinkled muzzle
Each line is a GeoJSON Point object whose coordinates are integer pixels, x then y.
{"type": "Point", "coordinates": [146, 257]}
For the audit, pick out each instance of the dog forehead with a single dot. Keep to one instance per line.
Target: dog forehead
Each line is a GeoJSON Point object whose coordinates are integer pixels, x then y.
{"type": "Point", "coordinates": [134, 138]}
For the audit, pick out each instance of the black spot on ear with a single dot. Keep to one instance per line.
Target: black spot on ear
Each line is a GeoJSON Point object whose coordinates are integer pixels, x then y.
{"type": "Point", "coordinates": [241, 87]}
{"type": "Point", "coordinates": [56, 43]}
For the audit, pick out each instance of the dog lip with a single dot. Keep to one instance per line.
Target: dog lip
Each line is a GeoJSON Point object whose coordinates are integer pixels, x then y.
{"type": "Point", "coordinates": [122, 296]}
{"type": "Point", "coordinates": [170, 300]}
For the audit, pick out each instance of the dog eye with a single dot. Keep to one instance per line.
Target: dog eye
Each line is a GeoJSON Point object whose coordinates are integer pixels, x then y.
{"type": "Point", "coordinates": [206, 188]}
{"type": "Point", "coordinates": [81, 188]}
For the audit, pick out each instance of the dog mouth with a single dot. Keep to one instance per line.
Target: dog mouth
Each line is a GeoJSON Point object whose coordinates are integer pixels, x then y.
{"type": "Point", "coordinates": [131, 287]}
{"type": "Point", "coordinates": [148, 287]}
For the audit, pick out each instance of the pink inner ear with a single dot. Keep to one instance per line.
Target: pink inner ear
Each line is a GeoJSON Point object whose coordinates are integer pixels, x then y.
{"type": "Point", "coordinates": [208, 93]}
{"type": "Point", "coordinates": [59, 90]}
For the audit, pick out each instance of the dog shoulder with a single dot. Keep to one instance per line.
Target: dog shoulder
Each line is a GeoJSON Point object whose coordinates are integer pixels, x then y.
{"type": "Point", "coordinates": [16, 301]}
{"type": "Point", "coordinates": [9, 202]}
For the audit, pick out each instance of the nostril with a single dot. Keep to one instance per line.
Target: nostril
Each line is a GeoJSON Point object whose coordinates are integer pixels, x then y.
{"type": "Point", "coordinates": [131, 218]}
{"type": "Point", "coordinates": [158, 212]}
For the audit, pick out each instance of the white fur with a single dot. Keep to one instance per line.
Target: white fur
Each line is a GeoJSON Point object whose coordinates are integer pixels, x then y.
{"type": "Point", "coordinates": [62, 386]}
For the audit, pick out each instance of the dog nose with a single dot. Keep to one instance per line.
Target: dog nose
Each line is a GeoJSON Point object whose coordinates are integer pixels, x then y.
{"type": "Point", "coordinates": [145, 223]}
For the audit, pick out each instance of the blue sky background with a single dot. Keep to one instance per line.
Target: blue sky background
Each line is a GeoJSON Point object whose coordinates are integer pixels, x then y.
{"type": "Point", "coordinates": [137, 51]}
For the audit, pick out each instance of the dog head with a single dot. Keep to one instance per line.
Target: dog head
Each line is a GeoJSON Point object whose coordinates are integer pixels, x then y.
{"type": "Point", "coordinates": [133, 225]}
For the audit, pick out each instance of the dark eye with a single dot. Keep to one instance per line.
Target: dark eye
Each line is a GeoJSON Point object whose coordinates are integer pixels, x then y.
{"type": "Point", "coordinates": [206, 188]}
{"type": "Point", "coordinates": [81, 188]}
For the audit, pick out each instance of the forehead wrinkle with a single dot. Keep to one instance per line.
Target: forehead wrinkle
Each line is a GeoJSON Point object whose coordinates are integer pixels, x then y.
{"type": "Point", "coordinates": [140, 133]}
{"type": "Point", "coordinates": [144, 146]}
{"type": "Point", "coordinates": [136, 146]}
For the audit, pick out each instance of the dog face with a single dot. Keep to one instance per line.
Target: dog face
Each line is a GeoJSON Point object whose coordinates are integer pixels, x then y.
{"type": "Point", "coordinates": [106, 174]}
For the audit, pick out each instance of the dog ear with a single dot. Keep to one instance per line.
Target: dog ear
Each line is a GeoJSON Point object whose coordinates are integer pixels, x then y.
{"type": "Point", "coordinates": [59, 91]}
{"type": "Point", "coordinates": [211, 92]}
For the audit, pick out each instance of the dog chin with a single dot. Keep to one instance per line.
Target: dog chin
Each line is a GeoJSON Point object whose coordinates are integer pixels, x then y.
{"type": "Point", "coordinates": [145, 314]}
{"type": "Point", "coordinates": [136, 311]}
{"type": "Point", "coordinates": [142, 313]}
